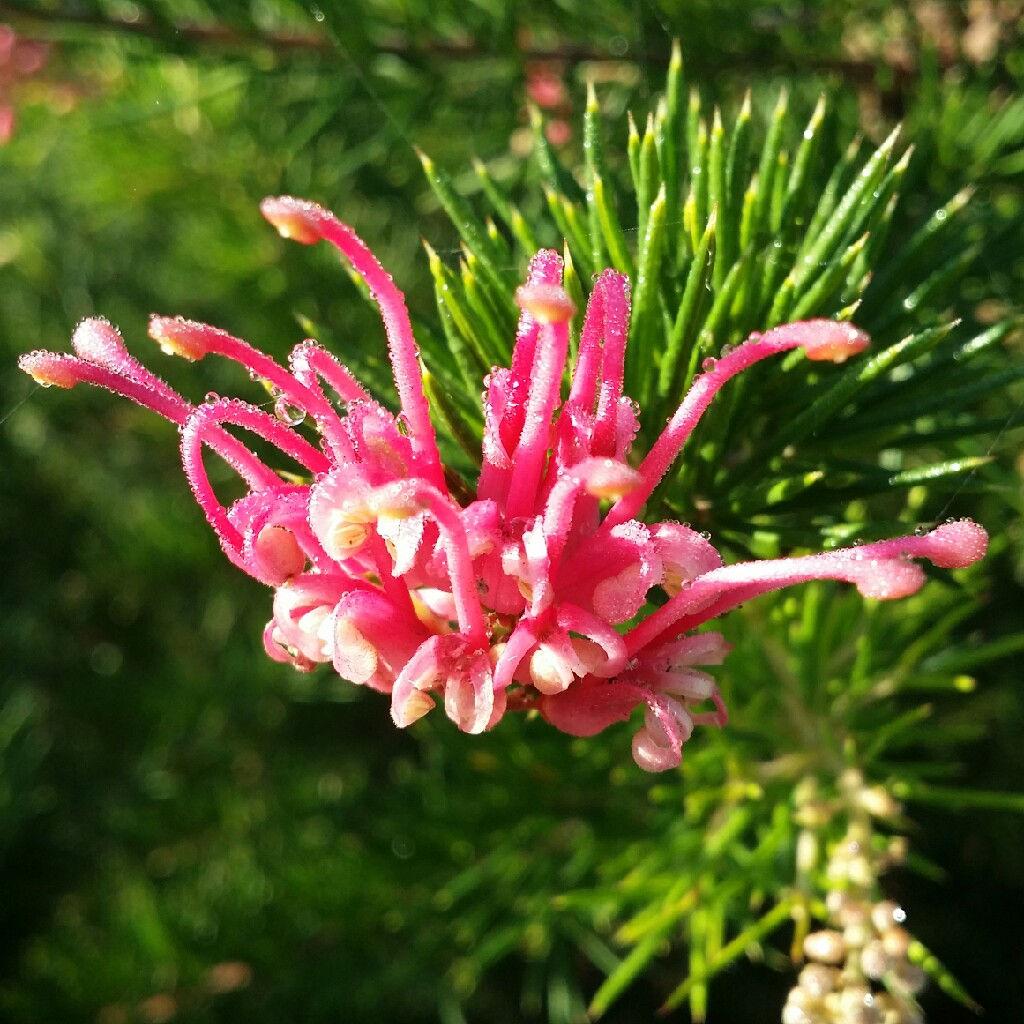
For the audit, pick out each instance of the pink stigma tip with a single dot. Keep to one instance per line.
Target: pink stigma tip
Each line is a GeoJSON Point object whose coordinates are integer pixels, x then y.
{"type": "Point", "coordinates": [179, 337]}
{"type": "Point", "coordinates": [295, 219]}
{"type": "Point", "coordinates": [958, 544]}
{"type": "Point", "coordinates": [834, 342]}
{"type": "Point", "coordinates": [48, 369]}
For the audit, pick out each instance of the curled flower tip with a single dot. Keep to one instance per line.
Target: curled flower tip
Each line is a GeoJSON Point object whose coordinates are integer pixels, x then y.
{"type": "Point", "coordinates": [547, 303]}
{"type": "Point", "coordinates": [827, 341]}
{"type": "Point", "coordinates": [99, 342]}
{"type": "Point", "coordinates": [296, 219]}
{"type": "Point", "coordinates": [957, 544]}
{"type": "Point", "coordinates": [48, 369]}
{"type": "Point", "coordinates": [180, 337]}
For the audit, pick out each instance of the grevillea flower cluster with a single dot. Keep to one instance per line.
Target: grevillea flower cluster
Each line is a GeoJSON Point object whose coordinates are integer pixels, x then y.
{"type": "Point", "coordinates": [540, 592]}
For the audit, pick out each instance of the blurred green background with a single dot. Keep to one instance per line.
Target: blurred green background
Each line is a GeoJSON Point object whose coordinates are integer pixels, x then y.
{"type": "Point", "coordinates": [189, 831]}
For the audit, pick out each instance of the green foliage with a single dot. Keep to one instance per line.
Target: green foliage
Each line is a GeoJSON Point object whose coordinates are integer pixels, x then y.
{"type": "Point", "coordinates": [755, 238]}
{"type": "Point", "coordinates": [174, 808]}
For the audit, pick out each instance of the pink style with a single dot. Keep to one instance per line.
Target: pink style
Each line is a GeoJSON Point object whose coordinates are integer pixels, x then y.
{"type": "Point", "coordinates": [533, 595]}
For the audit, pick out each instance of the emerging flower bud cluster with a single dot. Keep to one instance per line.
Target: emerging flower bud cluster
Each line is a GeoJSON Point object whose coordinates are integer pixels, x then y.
{"type": "Point", "coordinates": [860, 968]}
{"type": "Point", "coordinates": [534, 594]}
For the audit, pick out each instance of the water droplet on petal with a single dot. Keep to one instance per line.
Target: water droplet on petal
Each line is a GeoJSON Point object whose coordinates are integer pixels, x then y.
{"type": "Point", "coordinates": [709, 364]}
{"type": "Point", "coordinates": [289, 413]}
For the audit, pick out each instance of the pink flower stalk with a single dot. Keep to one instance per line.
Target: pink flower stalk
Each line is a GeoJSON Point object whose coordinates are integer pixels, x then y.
{"type": "Point", "coordinates": [533, 595]}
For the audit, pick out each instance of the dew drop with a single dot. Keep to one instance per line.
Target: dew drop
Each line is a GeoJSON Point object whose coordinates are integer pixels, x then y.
{"type": "Point", "coordinates": [211, 396]}
{"type": "Point", "coordinates": [709, 364]}
{"type": "Point", "coordinates": [289, 413]}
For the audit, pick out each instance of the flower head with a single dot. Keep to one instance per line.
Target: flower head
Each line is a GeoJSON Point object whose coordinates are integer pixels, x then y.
{"type": "Point", "coordinates": [534, 593]}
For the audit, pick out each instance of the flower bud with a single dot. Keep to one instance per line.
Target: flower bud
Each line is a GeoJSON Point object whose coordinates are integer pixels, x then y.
{"type": "Point", "coordinates": [825, 946]}
{"type": "Point", "coordinates": [279, 554]}
{"type": "Point", "coordinates": [795, 1014]}
{"type": "Point", "coordinates": [879, 802]}
{"type": "Point", "coordinates": [885, 914]}
{"type": "Point", "coordinates": [806, 851]}
{"type": "Point", "coordinates": [818, 979]}
{"type": "Point", "coordinates": [853, 912]}
{"type": "Point", "coordinates": [856, 935]}
{"type": "Point", "coordinates": [896, 941]}
{"type": "Point", "coordinates": [874, 960]}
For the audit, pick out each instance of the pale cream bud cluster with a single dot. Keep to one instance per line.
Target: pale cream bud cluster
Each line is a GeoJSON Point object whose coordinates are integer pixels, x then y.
{"type": "Point", "coordinates": [858, 968]}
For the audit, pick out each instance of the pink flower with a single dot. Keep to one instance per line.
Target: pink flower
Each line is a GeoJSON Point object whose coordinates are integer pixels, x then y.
{"type": "Point", "coordinates": [534, 594]}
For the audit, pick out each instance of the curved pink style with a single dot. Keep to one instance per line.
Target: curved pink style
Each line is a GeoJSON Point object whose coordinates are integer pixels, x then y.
{"type": "Point", "coordinates": [533, 594]}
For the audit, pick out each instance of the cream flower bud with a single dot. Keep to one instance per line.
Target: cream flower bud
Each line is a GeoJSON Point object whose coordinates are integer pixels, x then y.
{"type": "Point", "coordinates": [885, 914]}
{"type": "Point", "coordinates": [825, 946]}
